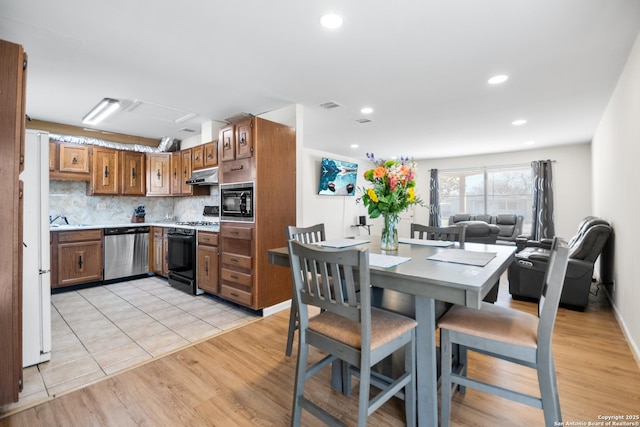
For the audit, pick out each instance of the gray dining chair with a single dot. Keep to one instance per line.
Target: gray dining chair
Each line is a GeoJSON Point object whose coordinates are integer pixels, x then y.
{"type": "Point", "coordinates": [347, 329]}
{"type": "Point", "coordinates": [507, 334]}
{"type": "Point", "coordinates": [312, 234]}
{"type": "Point", "coordinates": [454, 233]}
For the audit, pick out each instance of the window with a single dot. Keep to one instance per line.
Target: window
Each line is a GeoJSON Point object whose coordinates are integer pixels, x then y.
{"type": "Point", "coordinates": [488, 190]}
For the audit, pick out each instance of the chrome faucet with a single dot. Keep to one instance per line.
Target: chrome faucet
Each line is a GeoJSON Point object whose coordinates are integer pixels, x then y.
{"type": "Point", "coordinates": [52, 220]}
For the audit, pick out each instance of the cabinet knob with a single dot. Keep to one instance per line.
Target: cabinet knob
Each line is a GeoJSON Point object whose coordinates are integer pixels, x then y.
{"type": "Point", "coordinates": [159, 175]}
{"type": "Point", "coordinates": [80, 261]}
{"type": "Point", "coordinates": [106, 171]}
{"type": "Point", "coordinates": [74, 160]}
{"type": "Point", "coordinates": [133, 173]}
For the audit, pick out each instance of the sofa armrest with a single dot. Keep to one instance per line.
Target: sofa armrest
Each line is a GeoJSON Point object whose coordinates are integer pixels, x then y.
{"type": "Point", "coordinates": [523, 242]}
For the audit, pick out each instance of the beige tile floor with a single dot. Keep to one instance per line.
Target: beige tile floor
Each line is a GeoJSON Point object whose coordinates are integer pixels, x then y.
{"type": "Point", "coordinates": [102, 330]}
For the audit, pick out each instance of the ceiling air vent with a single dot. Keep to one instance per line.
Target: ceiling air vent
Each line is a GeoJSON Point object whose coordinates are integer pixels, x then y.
{"type": "Point", "coordinates": [363, 120]}
{"type": "Point", "coordinates": [187, 130]}
{"type": "Point", "coordinates": [329, 105]}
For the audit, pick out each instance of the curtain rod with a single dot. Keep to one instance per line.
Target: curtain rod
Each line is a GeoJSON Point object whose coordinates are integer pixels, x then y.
{"type": "Point", "coordinates": [487, 167]}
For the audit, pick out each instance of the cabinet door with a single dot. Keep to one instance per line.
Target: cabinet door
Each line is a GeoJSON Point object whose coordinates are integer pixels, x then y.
{"type": "Point", "coordinates": [79, 262]}
{"type": "Point", "coordinates": [158, 166]}
{"type": "Point", "coordinates": [105, 171]}
{"type": "Point", "coordinates": [158, 251]}
{"type": "Point", "coordinates": [132, 173]}
{"type": "Point", "coordinates": [197, 157]}
{"type": "Point", "coordinates": [74, 158]}
{"type": "Point", "coordinates": [211, 154]}
{"type": "Point", "coordinates": [176, 173]}
{"type": "Point", "coordinates": [186, 168]}
{"type": "Point", "coordinates": [53, 160]}
{"type": "Point", "coordinates": [208, 268]}
{"type": "Point", "coordinates": [244, 139]}
{"type": "Point", "coordinates": [227, 144]}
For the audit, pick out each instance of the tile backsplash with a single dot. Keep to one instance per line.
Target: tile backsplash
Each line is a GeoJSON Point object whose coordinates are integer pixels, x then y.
{"type": "Point", "coordinates": [70, 199]}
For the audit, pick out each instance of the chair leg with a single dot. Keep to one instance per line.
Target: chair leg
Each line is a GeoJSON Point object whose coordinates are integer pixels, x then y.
{"type": "Point", "coordinates": [363, 398]}
{"type": "Point", "coordinates": [445, 377]}
{"type": "Point", "coordinates": [410, 389]}
{"type": "Point", "coordinates": [293, 325]}
{"type": "Point", "coordinates": [462, 361]}
{"type": "Point", "coordinates": [301, 373]}
{"type": "Point", "coordinates": [549, 391]}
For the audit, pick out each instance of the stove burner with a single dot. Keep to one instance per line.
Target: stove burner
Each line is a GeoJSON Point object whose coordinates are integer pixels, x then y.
{"type": "Point", "coordinates": [196, 223]}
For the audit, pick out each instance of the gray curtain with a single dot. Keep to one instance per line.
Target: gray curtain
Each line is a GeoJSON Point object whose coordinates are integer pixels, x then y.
{"type": "Point", "coordinates": [434, 199]}
{"type": "Point", "coordinates": [542, 225]}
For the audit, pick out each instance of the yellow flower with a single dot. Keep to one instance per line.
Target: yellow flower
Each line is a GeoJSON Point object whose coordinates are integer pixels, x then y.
{"type": "Point", "coordinates": [412, 194]}
{"type": "Point", "coordinates": [372, 195]}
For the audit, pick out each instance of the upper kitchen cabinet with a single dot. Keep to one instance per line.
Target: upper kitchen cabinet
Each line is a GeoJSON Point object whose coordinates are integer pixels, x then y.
{"type": "Point", "coordinates": [69, 162]}
{"type": "Point", "coordinates": [158, 174]}
{"type": "Point", "coordinates": [132, 173]}
{"type": "Point", "coordinates": [237, 141]}
{"type": "Point", "coordinates": [104, 176]}
{"type": "Point", "coordinates": [197, 157]}
{"type": "Point", "coordinates": [181, 169]}
{"type": "Point", "coordinates": [236, 151]}
{"type": "Point", "coordinates": [210, 154]}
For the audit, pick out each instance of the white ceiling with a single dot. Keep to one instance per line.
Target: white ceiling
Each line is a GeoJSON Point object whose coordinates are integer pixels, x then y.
{"type": "Point", "coordinates": [422, 66]}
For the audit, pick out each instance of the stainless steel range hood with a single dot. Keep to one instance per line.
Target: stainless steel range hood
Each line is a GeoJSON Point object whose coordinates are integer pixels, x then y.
{"type": "Point", "coordinates": [204, 177]}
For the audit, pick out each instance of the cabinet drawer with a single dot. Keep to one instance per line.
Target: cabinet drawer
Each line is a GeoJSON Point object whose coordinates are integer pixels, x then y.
{"type": "Point", "coordinates": [236, 295]}
{"type": "Point", "coordinates": [237, 232]}
{"type": "Point", "coordinates": [235, 277]}
{"type": "Point", "coordinates": [79, 236]}
{"type": "Point", "coordinates": [237, 260]}
{"type": "Point", "coordinates": [210, 239]}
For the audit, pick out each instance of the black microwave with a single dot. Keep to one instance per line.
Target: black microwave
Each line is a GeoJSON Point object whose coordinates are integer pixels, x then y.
{"type": "Point", "coordinates": [236, 202]}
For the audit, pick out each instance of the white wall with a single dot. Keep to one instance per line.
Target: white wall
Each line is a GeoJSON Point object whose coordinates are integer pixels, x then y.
{"type": "Point", "coordinates": [571, 175]}
{"type": "Point", "coordinates": [615, 182]}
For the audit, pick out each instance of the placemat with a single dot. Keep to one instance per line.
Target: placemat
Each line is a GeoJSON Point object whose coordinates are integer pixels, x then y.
{"type": "Point", "coordinates": [386, 261]}
{"type": "Point", "coordinates": [461, 256]}
{"type": "Point", "coordinates": [424, 242]}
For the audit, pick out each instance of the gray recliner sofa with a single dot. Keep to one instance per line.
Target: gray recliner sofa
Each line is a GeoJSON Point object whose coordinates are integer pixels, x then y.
{"type": "Point", "coordinates": [526, 273]}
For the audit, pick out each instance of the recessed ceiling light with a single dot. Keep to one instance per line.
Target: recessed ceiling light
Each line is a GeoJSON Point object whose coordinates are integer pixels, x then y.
{"type": "Point", "coordinates": [354, 145]}
{"type": "Point", "coordinates": [495, 80]}
{"type": "Point", "coordinates": [518, 122]}
{"type": "Point", "coordinates": [331, 20]}
{"type": "Point", "coordinates": [529, 142]}
{"type": "Point", "coordinates": [366, 110]}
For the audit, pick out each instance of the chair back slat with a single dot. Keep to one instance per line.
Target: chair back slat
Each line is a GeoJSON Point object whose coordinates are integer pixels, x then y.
{"type": "Point", "coordinates": [328, 278]}
{"type": "Point", "coordinates": [454, 233]}
{"type": "Point", "coordinates": [312, 234]}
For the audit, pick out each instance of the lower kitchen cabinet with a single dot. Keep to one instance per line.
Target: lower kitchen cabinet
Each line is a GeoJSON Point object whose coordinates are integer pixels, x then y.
{"type": "Point", "coordinates": [208, 262]}
{"type": "Point", "coordinates": [159, 251]}
{"type": "Point", "coordinates": [76, 257]}
{"type": "Point", "coordinates": [236, 264]}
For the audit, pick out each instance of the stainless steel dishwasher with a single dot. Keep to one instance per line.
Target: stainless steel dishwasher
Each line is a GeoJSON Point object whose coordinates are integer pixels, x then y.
{"type": "Point", "coordinates": [126, 252]}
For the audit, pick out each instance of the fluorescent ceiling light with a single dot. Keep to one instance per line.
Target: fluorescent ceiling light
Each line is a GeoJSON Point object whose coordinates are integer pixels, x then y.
{"type": "Point", "coordinates": [519, 122]}
{"type": "Point", "coordinates": [366, 110]}
{"type": "Point", "coordinates": [495, 80]}
{"type": "Point", "coordinates": [529, 142]}
{"type": "Point", "coordinates": [331, 20]}
{"type": "Point", "coordinates": [354, 145]}
{"type": "Point", "coordinates": [104, 108]}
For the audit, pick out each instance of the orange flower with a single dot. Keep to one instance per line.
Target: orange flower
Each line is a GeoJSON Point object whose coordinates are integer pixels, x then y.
{"type": "Point", "coordinates": [379, 172]}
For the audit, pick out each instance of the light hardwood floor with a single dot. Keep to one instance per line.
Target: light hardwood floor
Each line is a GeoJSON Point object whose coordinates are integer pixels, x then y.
{"type": "Point", "coordinates": [243, 378]}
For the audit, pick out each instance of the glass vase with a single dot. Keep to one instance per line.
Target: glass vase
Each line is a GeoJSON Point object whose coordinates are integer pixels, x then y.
{"type": "Point", "coordinates": [389, 237]}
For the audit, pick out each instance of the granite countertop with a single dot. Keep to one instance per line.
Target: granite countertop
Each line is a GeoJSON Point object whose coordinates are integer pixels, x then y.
{"type": "Point", "coordinates": [73, 227]}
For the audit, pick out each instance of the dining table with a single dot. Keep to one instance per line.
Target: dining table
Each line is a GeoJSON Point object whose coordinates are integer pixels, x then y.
{"type": "Point", "coordinates": [429, 271]}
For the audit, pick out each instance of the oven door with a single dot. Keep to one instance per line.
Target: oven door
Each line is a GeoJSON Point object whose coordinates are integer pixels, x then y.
{"type": "Point", "coordinates": [180, 255]}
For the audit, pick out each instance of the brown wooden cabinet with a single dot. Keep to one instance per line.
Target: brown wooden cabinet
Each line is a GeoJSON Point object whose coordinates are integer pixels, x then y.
{"type": "Point", "coordinates": [197, 157]}
{"type": "Point", "coordinates": [104, 176]}
{"type": "Point", "coordinates": [181, 169]}
{"type": "Point", "coordinates": [236, 263]}
{"type": "Point", "coordinates": [208, 262]}
{"type": "Point", "coordinates": [237, 141]}
{"type": "Point", "coordinates": [69, 162]}
{"type": "Point", "coordinates": [269, 151]}
{"type": "Point", "coordinates": [13, 65]}
{"type": "Point", "coordinates": [76, 257]}
{"type": "Point", "coordinates": [158, 251]}
{"type": "Point", "coordinates": [132, 174]}
{"type": "Point", "coordinates": [158, 174]}
{"type": "Point", "coordinates": [210, 154]}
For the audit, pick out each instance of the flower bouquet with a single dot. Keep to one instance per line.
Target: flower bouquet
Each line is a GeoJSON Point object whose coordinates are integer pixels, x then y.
{"type": "Point", "coordinates": [393, 191]}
